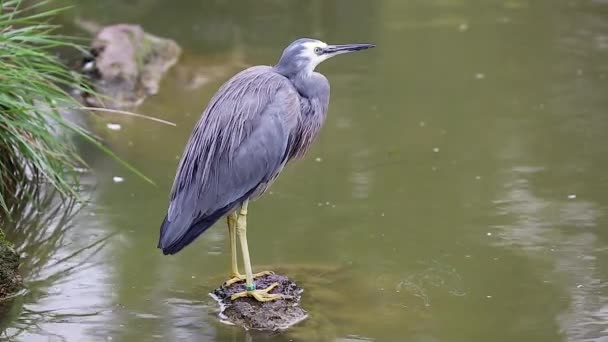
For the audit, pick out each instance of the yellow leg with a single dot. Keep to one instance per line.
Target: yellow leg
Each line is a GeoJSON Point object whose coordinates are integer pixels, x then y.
{"type": "Point", "coordinates": [251, 291]}
{"type": "Point", "coordinates": [235, 275]}
{"type": "Point", "coordinates": [231, 219]}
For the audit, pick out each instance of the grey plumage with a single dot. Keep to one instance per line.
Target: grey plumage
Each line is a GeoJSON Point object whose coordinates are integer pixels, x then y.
{"type": "Point", "coordinates": [259, 120]}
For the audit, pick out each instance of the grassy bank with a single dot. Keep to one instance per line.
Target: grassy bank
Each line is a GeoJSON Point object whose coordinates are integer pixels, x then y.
{"type": "Point", "coordinates": [32, 83]}
{"type": "Point", "coordinates": [35, 147]}
{"type": "Point", "coordinates": [32, 86]}
{"type": "Point", "coordinates": [36, 144]}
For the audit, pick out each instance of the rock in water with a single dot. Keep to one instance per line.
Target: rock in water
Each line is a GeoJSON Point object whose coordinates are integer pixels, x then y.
{"type": "Point", "coordinates": [10, 280]}
{"type": "Point", "coordinates": [269, 316]}
{"type": "Point", "coordinates": [127, 64]}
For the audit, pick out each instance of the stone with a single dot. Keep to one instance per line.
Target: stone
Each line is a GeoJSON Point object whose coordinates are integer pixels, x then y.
{"type": "Point", "coordinates": [126, 65]}
{"type": "Point", "coordinates": [10, 279]}
{"type": "Point", "coordinates": [273, 316]}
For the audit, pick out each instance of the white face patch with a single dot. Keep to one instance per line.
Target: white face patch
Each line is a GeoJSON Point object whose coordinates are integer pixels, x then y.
{"type": "Point", "coordinates": [309, 53]}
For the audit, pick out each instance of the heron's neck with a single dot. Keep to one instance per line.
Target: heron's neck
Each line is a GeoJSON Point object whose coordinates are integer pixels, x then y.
{"type": "Point", "coordinates": [314, 90]}
{"type": "Point", "coordinates": [314, 101]}
{"type": "Point", "coordinates": [306, 84]}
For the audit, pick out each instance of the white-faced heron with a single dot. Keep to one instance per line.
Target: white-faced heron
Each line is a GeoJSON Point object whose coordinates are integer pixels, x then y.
{"type": "Point", "coordinates": [257, 122]}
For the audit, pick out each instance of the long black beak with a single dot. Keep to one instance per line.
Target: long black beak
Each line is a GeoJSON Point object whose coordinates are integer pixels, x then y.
{"type": "Point", "coordinates": [337, 49]}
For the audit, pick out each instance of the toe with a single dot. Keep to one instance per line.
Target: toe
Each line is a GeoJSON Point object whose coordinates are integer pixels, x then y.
{"type": "Point", "coordinates": [264, 297]}
{"type": "Point", "coordinates": [263, 273]}
{"type": "Point", "coordinates": [270, 288]}
{"type": "Point", "coordinates": [234, 279]}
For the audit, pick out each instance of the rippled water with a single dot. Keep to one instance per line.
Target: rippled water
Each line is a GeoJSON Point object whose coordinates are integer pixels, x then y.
{"type": "Point", "coordinates": [457, 191]}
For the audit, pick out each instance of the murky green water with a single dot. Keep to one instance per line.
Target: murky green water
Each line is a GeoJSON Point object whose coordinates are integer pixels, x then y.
{"type": "Point", "coordinates": [458, 190]}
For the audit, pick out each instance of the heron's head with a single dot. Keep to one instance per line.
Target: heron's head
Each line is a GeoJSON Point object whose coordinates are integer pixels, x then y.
{"type": "Point", "coordinates": [304, 54]}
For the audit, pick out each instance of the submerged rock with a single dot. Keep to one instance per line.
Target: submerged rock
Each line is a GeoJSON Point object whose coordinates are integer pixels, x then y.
{"type": "Point", "coordinates": [10, 280]}
{"type": "Point", "coordinates": [272, 316]}
{"type": "Point", "coordinates": [127, 64]}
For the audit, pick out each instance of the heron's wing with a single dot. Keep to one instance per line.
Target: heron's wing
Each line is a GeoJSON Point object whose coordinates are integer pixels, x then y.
{"type": "Point", "coordinates": [238, 146]}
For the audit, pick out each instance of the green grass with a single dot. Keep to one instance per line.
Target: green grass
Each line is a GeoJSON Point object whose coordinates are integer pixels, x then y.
{"type": "Point", "coordinates": [34, 147]}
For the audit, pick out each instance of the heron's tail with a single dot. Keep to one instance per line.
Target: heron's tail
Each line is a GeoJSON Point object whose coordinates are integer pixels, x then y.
{"type": "Point", "coordinates": [171, 244]}
{"type": "Point", "coordinates": [173, 239]}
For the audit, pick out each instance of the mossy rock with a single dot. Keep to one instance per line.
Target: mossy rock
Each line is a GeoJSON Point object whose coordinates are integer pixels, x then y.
{"type": "Point", "coordinates": [126, 64]}
{"type": "Point", "coordinates": [271, 316]}
{"type": "Point", "coordinates": [10, 280]}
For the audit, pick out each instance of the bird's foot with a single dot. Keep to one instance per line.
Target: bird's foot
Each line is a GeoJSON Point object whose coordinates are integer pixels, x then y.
{"type": "Point", "coordinates": [236, 277]}
{"type": "Point", "coordinates": [260, 295]}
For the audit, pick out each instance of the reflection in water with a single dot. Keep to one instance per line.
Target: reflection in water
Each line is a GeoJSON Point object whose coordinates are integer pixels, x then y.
{"type": "Point", "coordinates": [562, 231]}
{"type": "Point", "coordinates": [54, 256]}
{"type": "Point", "coordinates": [543, 229]}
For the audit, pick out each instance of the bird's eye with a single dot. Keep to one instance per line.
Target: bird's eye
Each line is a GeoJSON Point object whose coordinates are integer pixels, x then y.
{"type": "Point", "coordinates": [318, 50]}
